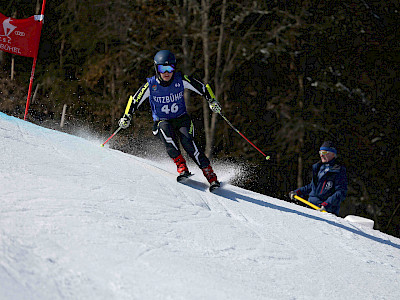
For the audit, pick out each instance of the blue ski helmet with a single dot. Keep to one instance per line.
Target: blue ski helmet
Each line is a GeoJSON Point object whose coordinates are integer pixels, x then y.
{"type": "Point", "coordinates": [164, 58]}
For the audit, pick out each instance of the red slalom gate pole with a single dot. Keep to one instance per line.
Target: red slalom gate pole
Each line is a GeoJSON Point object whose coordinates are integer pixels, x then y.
{"type": "Point", "coordinates": [34, 63]}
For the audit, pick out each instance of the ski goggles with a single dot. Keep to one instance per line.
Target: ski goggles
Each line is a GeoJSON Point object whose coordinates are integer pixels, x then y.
{"type": "Point", "coordinates": [324, 152]}
{"type": "Point", "coordinates": [163, 69]}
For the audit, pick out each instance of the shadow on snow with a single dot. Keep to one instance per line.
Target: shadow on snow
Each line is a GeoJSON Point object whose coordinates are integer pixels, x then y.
{"type": "Point", "coordinates": [231, 195]}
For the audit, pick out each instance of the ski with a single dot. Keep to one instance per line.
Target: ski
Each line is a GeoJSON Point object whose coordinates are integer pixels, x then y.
{"type": "Point", "coordinates": [183, 176]}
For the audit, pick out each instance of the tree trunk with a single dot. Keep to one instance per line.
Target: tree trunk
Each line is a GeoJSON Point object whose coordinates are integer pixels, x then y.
{"type": "Point", "coordinates": [38, 7]}
{"type": "Point", "coordinates": [300, 171]}
{"type": "Point", "coordinates": [185, 47]}
{"type": "Point", "coordinates": [300, 166]}
{"type": "Point", "coordinates": [205, 9]}
{"type": "Point", "coordinates": [218, 77]}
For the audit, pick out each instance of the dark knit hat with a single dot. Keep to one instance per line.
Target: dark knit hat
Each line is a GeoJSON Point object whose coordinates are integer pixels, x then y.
{"type": "Point", "coordinates": [328, 146]}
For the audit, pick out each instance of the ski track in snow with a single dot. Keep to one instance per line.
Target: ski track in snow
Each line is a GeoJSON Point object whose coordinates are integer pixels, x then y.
{"type": "Point", "coordinates": [78, 221]}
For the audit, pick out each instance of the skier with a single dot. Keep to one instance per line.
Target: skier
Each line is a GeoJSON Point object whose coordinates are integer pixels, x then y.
{"type": "Point", "coordinates": [328, 187]}
{"type": "Point", "coordinates": [165, 91]}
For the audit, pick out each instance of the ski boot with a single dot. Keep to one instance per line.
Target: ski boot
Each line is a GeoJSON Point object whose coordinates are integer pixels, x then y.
{"type": "Point", "coordinates": [211, 178]}
{"type": "Point", "coordinates": [182, 168]}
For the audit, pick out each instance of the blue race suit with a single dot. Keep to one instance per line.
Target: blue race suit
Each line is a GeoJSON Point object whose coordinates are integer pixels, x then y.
{"type": "Point", "coordinates": [167, 102]}
{"type": "Point", "coordinates": [171, 120]}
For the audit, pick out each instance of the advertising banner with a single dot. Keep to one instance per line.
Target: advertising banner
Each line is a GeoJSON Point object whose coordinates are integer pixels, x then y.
{"type": "Point", "coordinates": [20, 36]}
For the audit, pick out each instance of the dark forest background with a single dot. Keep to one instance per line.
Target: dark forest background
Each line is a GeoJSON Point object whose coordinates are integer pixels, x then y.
{"type": "Point", "coordinates": [289, 75]}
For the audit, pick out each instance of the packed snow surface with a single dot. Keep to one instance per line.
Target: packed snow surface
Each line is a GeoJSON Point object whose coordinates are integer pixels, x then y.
{"type": "Point", "coordinates": [78, 221]}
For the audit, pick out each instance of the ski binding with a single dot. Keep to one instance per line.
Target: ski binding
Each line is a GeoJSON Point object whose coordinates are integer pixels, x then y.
{"type": "Point", "coordinates": [183, 176]}
{"type": "Point", "coordinates": [214, 185]}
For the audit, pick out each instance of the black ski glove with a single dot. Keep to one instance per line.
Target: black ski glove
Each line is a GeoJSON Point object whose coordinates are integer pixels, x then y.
{"type": "Point", "coordinates": [292, 194]}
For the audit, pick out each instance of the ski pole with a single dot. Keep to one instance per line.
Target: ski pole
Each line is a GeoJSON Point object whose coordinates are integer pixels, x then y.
{"type": "Point", "coordinates": [115, 132]}
{"type": "Point", "coordinates": [267, 157]}
{"type": "Point", "coordinates": [308, 203]}
{"type": "Point", "coordinates": [126, 112]}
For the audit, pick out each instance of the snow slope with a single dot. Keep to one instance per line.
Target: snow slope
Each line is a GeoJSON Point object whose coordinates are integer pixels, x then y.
{"type": "Point", "coordinates": [78, 221]}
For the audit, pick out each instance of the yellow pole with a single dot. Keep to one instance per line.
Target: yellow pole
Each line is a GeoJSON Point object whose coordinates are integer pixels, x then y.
{"type": "Point", "coordinates": [308, 203]}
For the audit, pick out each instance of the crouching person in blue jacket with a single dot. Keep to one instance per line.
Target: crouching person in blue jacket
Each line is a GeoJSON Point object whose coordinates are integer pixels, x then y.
{"type": "Point", "coordinates": [328, 187]}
